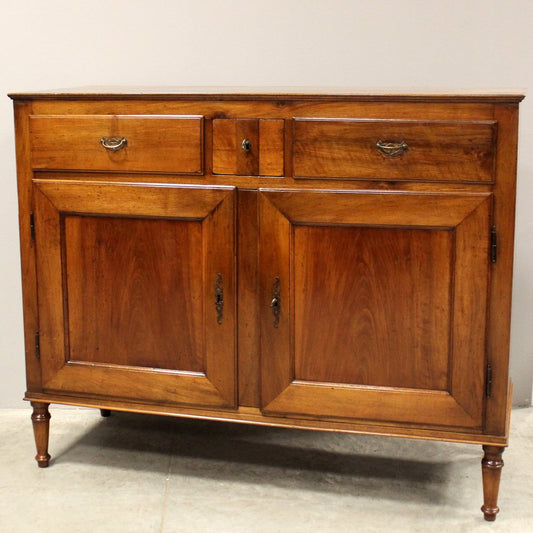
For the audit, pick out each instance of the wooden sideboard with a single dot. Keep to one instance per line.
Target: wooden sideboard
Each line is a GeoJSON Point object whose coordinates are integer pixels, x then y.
{"type": "Point", "coordinates": [325, 260]}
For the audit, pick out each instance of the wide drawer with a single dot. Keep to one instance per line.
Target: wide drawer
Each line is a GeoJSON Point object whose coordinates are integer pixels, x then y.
{"type": "Point", "coordinates": [136, 143]}
{"type": "Point", "coordinates": [394, 149]}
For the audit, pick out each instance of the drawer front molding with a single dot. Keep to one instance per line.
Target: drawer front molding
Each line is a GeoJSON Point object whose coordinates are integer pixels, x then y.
{"type": "Point", "coordinates": [394, 149]}
{"type": "Point", "coordinates": [118, 143]}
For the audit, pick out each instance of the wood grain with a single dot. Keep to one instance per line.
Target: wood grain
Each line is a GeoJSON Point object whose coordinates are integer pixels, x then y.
{"type": "Point", "coordinates": [271, 109]}
{"type": "Point", "coordinates": [390, 308]}
{"type": "Point", "coordinates": [358, 323]}
{"type": "Point", "coordinates": [471, 285]}
{"type": "Point", "coordinates": [326, 148]}
{"type": "Point", "coordinates": [271, 147]}
{"type": "Point", "coordinates": [372, 306]}
{"type": "Point", "coordinates": [218, 249]}
{"type": "Point", "coordinates": [40, 418]}
{"type": "Point", "coordinates": [161, 367]}
{"type": "Point", "coordinates": [277, 369]}
{"type": "Point", "coordinates": [498, 333]}
{"type": "Point", "coordinates": [408, 406]}
{"type": "Point", "coordinates": [27, 245]}
{"type": "Point", "coordinates": [228, 154]}
{"type": "Point", "coordinates": [132, 199]}
{"type": "Point", "coordinates": [250, 415]}
{"type": "Point", "coordinates": [247, 302]}
{"type": "Point", "coordinates": [350, 94]}
{"type": "Point", "coordinates": [491, 468]}
{"type": "Point", "coordinates": [154, 143]}
{"type": "Point", "coordinates": [378, 208]}
{"type": "Point", "coordinates": [133, 294]}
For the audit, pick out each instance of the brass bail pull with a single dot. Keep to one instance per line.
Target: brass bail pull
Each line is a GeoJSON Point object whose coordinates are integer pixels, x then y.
{"type": "Point", "coordinates": [113, 144]}
{"type": "Point", "coordinates": [392, 149]}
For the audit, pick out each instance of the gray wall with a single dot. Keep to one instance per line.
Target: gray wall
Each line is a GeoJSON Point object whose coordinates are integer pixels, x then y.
{"type": "Point", "coordinates": [384, 43]}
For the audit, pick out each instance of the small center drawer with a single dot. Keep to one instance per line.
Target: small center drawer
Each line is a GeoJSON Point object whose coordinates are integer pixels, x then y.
{"type": "Point", "coordinates": [123, 143]}
{"type": "Point", "coordinates": [394, 149]}
{"type": "Point", "coordinates": [248, 147]}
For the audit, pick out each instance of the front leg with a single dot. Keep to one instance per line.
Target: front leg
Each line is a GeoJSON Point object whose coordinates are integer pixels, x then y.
{"type": "Point", "coordinates": [41, 422]}
{"type": "Point", "coordinates": [491, 467]}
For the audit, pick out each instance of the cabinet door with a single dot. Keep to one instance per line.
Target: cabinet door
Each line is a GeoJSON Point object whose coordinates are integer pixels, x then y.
{"type": "Point", "coordinates": [381, 303]}
{"type": "Point", "coordinates": [136, 291]}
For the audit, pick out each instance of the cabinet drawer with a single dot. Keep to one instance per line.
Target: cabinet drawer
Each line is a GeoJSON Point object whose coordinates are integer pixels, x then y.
{"type": "Point", "coordinates": [394, 149]}
{"type": "Point", "coordinates": [248, 147]}
{"type": "Point", "coordinates": [133, 143]}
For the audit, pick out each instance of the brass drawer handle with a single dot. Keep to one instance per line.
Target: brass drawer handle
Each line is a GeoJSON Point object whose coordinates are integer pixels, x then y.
{"type": "Point", "coordinates": [113, 144]}
{"type": "Point", "coordinates": [392, 149]}
{"type": "Point", "coordinates": [246, 145]}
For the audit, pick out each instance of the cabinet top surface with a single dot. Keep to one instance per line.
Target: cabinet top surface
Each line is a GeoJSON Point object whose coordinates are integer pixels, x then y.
{"type": "Point", "coordinates": [273, 93]}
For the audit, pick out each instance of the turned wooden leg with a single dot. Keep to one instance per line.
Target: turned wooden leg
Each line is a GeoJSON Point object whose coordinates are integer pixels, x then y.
{"type": "Point", "coordinates": [105, 412]}
{"type": "Point", "coordinates": [41, 422]}
{"type": "Point", "coordinates": [491, 467]}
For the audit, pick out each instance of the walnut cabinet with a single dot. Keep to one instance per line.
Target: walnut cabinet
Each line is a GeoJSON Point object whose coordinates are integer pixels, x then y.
{"type": "Point", "coordinates": [331, 261]}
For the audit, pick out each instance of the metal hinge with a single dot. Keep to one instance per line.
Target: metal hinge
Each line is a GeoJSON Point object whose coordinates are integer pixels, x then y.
{"type": "Point", "coordinates": [493, 244]}
{"type": "Point", "coordinates": [37, 346]}
{"type": "Point", "coordinates": [32, 226]}
{"type": "Point", "coordinates": [488, 381]}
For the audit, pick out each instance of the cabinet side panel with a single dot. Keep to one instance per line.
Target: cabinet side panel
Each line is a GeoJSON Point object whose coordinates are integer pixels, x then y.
{"type": "Point", "coordinates": [501, 275]}
{"type": "Point", "coordinates": [27, 246]}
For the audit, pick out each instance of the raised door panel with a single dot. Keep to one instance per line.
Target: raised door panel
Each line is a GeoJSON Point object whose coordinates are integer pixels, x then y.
{"type": "Point", "coordinates": [136, 291]}
{"type": "Point", "coordinates": [382, 305]}
{"type": "Point", "coordinates": [377, 299]}
{"type": "Point", "coordinates": [144, 310]}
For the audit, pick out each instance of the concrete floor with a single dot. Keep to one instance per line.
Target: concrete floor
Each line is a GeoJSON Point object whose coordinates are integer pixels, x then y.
{"type": "Point", "coordinates": [139, 473]}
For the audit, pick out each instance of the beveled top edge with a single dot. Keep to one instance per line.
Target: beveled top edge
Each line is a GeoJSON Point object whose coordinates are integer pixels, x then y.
{"type": "Point", "coordinates": [272, 93]}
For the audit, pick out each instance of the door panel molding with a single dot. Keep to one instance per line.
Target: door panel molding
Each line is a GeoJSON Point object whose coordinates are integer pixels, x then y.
{"type": "Point", "coordinates": [214, 207]}
{"type": "Point", "coordinates": [466, 215]}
